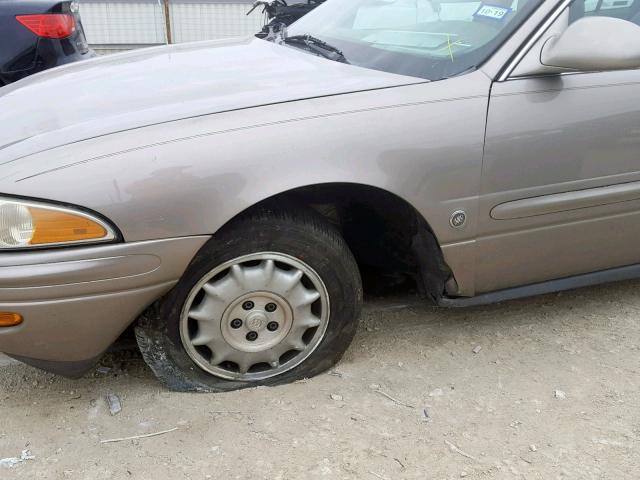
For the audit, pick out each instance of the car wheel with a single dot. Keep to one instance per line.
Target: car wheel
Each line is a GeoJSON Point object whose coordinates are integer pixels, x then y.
{"type": "Point", "coordinates": [271, 299]}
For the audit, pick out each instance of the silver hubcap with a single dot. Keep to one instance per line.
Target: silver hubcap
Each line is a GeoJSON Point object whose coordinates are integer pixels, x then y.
{"type": "Point", "coordinates": [255, 317]}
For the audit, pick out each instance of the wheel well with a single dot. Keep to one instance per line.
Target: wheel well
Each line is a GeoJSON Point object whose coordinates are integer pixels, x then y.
{"type": "Point", "coordinates": [395, 248]}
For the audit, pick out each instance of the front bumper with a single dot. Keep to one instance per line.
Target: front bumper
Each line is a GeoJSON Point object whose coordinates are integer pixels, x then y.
{"type": "Point", "coordinates": [77, 301]}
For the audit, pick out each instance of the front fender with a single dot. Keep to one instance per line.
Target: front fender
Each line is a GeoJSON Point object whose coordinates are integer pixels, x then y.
{"type": "Point", "coordinates": [421, 142]}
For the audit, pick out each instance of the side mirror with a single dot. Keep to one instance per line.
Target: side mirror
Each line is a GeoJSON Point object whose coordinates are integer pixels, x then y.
{"type": "Point", "coordinates": [594, 44]}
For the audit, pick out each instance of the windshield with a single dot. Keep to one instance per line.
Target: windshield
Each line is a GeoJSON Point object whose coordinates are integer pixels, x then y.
{"type": "Point", "coordinates": [430, 39]}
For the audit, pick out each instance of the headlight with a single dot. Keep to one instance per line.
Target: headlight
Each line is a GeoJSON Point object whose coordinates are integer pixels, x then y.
{"type": "Point", "coordinates": [25, 224]}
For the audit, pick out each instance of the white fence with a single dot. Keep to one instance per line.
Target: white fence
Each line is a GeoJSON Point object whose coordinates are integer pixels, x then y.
{"type": "Point", "coordinates": [122, 24]}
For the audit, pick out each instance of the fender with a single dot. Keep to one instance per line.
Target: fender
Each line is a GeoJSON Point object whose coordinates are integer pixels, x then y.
{"type": "Point", "coordinates": [219, 165]}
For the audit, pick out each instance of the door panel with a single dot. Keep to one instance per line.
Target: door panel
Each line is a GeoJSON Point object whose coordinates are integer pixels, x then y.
{"type": "Point", "coordinates": [548, 138]}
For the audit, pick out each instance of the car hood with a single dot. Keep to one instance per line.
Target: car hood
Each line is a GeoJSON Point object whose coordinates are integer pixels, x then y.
{"type": "Point", "coordinates": [136, 89]}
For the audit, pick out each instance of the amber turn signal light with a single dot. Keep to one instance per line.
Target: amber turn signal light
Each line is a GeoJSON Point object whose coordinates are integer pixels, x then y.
{"type": "Point", "coordinates": [10, 319]}
{"type": "Point", "coordinates": [53, 226]}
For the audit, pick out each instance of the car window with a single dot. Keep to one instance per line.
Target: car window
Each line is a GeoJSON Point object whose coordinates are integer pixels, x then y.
{"type": "Point", "coordinates": [433, 39]}
{"type": "Point", "coordinates": [624, 9]}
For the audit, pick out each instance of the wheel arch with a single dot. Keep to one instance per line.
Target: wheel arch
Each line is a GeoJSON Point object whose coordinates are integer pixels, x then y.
{"type": "Point", "coordinates": [388, 236]}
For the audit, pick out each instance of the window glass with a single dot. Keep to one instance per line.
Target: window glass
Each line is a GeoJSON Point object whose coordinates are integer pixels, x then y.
{"type": "Point", "coordinates": [432, 39]}
{"type": "Point", "coordinates": [624, 9]}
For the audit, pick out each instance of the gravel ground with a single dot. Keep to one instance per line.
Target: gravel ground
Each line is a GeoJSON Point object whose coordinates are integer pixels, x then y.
{"type": "Point", "coordinates": [534, 389]}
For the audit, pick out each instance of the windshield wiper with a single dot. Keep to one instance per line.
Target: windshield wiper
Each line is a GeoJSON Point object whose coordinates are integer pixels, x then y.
{"type": "Point", "coordinates": [317, 46]}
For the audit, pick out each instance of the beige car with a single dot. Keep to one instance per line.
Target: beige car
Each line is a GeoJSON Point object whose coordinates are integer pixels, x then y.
{"type": "Point", "coordinates": [230, 199]}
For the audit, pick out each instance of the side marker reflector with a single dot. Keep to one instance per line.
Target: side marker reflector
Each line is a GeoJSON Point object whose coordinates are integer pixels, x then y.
{"type": "Point", "coordinates": [10, 319]}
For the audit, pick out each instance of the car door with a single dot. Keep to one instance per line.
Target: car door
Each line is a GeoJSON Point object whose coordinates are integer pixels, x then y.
{"type": "Point", "coordinates": [561, 173]}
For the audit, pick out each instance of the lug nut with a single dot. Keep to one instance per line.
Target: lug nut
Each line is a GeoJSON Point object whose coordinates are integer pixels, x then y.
{"type": "Point", "coordinates": [270, 307]}
{"type": "Point", "coordinates": [248, 305]}
{"type": "Point", "coordinates": [272, 326]}
{"type": "Point", "coordinates": [252, 336]}
{"type": "Point", "coordinates": [236, 323]}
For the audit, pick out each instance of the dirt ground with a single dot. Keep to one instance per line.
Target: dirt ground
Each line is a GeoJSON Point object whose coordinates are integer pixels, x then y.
{"type": "Point", "coordinates": [552, 392]}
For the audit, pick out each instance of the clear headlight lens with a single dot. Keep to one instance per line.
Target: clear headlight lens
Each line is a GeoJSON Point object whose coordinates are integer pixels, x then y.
{"type": "Point", "coordinates": [33, 224]}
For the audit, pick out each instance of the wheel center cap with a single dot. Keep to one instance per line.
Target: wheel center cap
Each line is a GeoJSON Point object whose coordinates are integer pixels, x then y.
{"type": "Point", "coordinates": [248, 330]}
{"type": "Point", "coordinates": [256, 321]}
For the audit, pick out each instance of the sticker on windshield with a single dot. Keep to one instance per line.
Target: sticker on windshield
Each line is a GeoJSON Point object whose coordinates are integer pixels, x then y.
{"type": "Point", "coordinates": [492, 12]}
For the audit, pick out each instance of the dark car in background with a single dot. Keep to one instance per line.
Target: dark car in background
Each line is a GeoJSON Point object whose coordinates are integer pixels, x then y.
{"type": "Point", "coordinates": [39, 34]}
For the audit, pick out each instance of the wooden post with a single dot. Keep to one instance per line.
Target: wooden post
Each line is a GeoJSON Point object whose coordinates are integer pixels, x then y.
{"type": "Point", "coordinates": [167, 21]}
